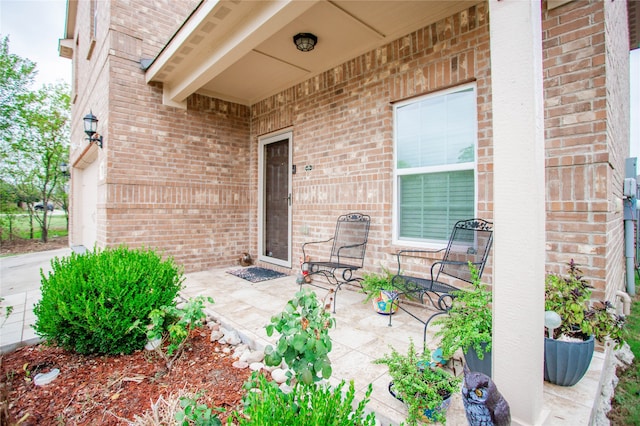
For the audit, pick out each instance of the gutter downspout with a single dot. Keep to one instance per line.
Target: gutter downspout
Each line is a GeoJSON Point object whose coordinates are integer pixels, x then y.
{"type": "Point", "coordinates": [626, 302]}
{"type": "Point", "coordinates": [629, 255]}
{"type": "Point", "coordinates": [630, 192]}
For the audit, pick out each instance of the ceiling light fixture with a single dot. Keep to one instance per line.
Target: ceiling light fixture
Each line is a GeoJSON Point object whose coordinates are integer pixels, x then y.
{"type": "Point", "coordinates": [305, 41]}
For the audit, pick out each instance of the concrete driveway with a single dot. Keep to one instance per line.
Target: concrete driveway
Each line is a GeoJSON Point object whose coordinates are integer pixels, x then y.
{"type": "Point", "coordinates": [21, 273]}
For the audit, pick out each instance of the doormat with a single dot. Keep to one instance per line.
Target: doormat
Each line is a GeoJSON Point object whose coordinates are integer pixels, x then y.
{"type": "Point", "coordinates": [255, 274]}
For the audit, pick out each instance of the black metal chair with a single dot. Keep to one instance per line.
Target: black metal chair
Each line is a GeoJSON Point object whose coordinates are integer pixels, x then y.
{"type": "Point", "coordinates": [469, 242]}
{"type": "Point", "coordinates": [348, 246]}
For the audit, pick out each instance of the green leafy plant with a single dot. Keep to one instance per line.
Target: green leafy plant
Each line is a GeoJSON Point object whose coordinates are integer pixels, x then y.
{"type": "Point", "coordinates": [570, 297]}
{"type": "Point", "coordinates": [173, 326]}
{"type": "Point", "coordinates": [419, 384]}
{"type": "Point", "coordinates": [373, 283]}
{"type": "Point", "coordinates": [91, 302]}
{"type": "Point", "coordinates": [469, 321]}
{"type": "Point", "coordinates": [304, 342]}
{"type": "Point", "coordinates": [192, 413]}
{"type": "Point", "coordinates": [7, 312]}
{"type": "Point", "coordinates": [313, 404]}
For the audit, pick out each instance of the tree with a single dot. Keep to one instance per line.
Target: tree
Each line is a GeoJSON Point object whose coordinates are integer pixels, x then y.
{"type": "Point", "coordinates": [17, 74]}
{"type": "Point", "coordinates": [34, 130]}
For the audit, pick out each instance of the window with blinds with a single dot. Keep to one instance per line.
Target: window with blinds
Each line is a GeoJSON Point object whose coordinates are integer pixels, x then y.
{"type": "Point", "coordinates": [435, 167]}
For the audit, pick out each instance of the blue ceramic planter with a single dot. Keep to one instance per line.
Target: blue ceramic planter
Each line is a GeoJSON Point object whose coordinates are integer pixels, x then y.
{"type": "Point", "coordinates": [476, 364]}
{"type": "Point", "coordinates": [565, 363]}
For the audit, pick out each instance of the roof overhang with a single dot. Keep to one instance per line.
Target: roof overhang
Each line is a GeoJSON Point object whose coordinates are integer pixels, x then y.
{"type": "Point", "coordinates": [243, 51]}
{"type": "Point", "coordinates": [65, 45]}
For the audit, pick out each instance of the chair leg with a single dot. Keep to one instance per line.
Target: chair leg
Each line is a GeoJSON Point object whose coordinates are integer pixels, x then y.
{"type": "Point", "coordinates": [335, 296]}
{"type": "Point", "coordinates": [426, 324]}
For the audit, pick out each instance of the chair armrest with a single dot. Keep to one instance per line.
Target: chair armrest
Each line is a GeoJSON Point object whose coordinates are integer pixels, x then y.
{"type": "Point", "coordinates": [304, 255]}
{"type": "Point", "coordinates": [348, 247]}
{"type": "Point", "coordinates": [413, 253]}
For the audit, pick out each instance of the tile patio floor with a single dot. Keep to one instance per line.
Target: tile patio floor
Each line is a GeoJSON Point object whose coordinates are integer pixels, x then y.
{"type": "Point", "coordinates": [359, 337]}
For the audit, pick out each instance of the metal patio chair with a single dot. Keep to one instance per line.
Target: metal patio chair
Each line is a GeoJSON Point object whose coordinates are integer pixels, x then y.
{"type": "Point", "coordinates": [470, 241]}
{"type": "Point", "coordinates": [348, 246]}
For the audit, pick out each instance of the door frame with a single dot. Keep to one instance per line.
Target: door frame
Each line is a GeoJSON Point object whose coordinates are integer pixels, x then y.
{"type": "Point", "coordinates": [263, 141]}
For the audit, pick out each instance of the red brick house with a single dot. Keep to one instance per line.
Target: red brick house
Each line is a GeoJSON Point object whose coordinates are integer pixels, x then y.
{"type": "Point", "coordinates": [416, 113]}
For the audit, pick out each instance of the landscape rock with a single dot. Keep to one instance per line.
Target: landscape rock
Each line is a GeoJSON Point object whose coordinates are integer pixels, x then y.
{"type": "Point", "coordinates": [285, 388]}
{"type": "Point", "coordinates": [231, 337]}
{"type": "Point", "coordinates": [255, 356]}
{"type": "Point", "coordinates": [240, 365]}
{"type": "Point", "coordinates": [240, 350]}
{"type": "Point", "coordinates": [216, 335]}
{"type": "Point", "coordinates": [42, 379]}
{"type": "Point", "coordinates": [256, 366]}
{"type": "Point", "coordinates": [279, 375]}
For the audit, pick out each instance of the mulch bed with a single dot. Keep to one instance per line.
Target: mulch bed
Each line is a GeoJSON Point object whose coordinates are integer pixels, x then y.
{"type": "Point", "coordinates": [111, 390]}
{"type": "Point", "coordinates": [21, 246]}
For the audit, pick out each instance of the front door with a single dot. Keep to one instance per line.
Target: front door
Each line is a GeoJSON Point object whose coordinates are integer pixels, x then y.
{"type": "Point", "coordinates": [275, 199]}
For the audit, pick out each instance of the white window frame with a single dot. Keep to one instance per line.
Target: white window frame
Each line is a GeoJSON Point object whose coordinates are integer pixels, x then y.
{"type": "Point", "coordinates": [429, 244]}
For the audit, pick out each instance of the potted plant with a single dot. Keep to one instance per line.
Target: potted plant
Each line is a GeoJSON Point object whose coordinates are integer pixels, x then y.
{"type": "Point", "coordinates": [424, 387]}
{"type": "Point", "coordinates": [380, 291]}
{"type": "Point", "coordinates": [569, 348]}
{"type": "Point", "coordinates": [467, 325]}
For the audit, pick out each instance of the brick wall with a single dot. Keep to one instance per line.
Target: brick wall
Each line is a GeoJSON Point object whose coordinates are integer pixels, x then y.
{"type": "Point", "coordinates": [618, 105]}
{"type": "Point", "coordinates": [584, 132]}
{"type": "Point", "coordinates": [170, 179]}
{"type": "Point", "coordinates": [186, 180]}
{"type": "Point", "coordinates": [633, 10]}
{"type": "Point", "coordinates": [342, 126]}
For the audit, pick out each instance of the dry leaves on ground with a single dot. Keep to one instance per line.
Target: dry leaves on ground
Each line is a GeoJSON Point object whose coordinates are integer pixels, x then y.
{"type": "Point", "coordinates": [111, 390]}
{"type": "Point", "coordinates": [22, 246]}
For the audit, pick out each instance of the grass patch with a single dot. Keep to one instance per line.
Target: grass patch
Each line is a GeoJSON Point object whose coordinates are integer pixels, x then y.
{"type": "Point", "coordinates": [626, 401]}
{"type": "Point", "coordinates": [20, 226]}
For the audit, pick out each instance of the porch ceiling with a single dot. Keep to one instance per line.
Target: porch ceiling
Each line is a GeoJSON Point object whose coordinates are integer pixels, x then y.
{"type": "Point", "coordinates": [243, 51]}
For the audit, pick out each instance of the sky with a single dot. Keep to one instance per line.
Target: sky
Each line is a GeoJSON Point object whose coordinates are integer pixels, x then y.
{"type": "Point", "coordinates": [34, 27]}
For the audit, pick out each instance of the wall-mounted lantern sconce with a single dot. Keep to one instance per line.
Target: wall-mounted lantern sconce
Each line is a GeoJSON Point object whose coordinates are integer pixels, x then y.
{"type": "Point", "coordinates": [90, 127]}
{"type": "Point", "coordinates": [64, 169]}
{"type": "Point", "coordinates": [305, 41]}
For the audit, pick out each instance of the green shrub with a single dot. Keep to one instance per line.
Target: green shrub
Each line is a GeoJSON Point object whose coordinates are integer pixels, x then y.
{"type": "Point", "coordinates": [173, 327]}
{"type": "Point", "coordinates": [197, 414]}
{"type": "Point", "coordinates": [304, 342]}
{"type": "Point", "coordinates": [570, 297]}
{"type": "Point", "coordinates": [306, 404]}
{"type": "Point", "coordinates": [91, 303]}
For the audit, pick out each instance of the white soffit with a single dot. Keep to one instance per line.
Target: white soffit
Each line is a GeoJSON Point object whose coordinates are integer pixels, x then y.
{"type": "Point", "coordinates": [243, 51]}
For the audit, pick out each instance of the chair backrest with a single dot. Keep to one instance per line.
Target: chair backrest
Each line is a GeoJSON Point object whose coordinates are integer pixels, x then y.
{"type": "Point", "coordinates": [350, 239]}
{"type": "Point", "coordinates": [470, 241]}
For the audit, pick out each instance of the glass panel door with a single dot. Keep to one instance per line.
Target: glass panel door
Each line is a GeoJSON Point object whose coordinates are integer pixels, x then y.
{"type": "Point", "coordinates": [275, 244]}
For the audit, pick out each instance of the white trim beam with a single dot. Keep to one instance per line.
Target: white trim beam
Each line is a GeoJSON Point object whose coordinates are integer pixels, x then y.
{"type": "Point", "coordinates": [265, 20]}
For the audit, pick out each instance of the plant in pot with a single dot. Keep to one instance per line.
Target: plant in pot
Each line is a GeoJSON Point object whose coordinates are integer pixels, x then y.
{"type": "Point", "coordinates": [569, 347]}
{"type": "Point", "coordinates": [467, 325]}
{"type": "Point", "coordinates": [380, 291]}
{"type": "Point", "coordinates": [423, 387]}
